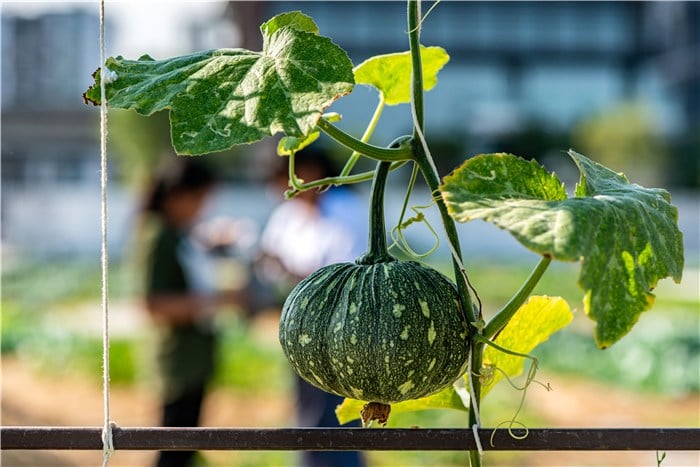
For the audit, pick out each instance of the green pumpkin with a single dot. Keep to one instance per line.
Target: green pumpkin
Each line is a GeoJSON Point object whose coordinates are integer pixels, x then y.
{"type": "Point", "coordinates": [379, 329]}
{"type": "Point", "coordinates": [383, 332]}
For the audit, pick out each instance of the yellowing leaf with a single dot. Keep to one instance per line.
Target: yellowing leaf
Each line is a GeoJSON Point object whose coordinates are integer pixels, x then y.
{"type": "Point", "coordinates": [290, 144]}
{"type": "Point", "coordinates": [448, 398]}
{"type": "Point", "coordinates": [531, 325]}
{"type": "Point", "coordinates": [391, 73]}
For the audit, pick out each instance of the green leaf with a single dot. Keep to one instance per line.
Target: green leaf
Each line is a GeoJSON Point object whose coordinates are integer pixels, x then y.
{"type": "Point", "coordinates": [391, 73]}
{"type": "Point", "coordinates": [220, 98]}
{"type": "Point", "coordinates": [626, 236]}
{"type": "Point", "coordinates": [448, 398]}
{"type": "Point", "coordinates": [290, 144]}
{"type": "Point", "coordinates": [294, 19]}
{"type": "Point", "coordinates": [532, 324]}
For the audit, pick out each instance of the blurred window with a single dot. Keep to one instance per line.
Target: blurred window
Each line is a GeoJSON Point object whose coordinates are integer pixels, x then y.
{"type": "Point", "coordinates": [69, 169]}
{"type": "Point", "coordinates": [14, 169]}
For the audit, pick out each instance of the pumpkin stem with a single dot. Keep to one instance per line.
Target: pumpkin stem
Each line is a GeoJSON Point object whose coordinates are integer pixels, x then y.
{"type": "Point", "coordinates": [375, 411]}
{"type": "Point", "coordinates": [377, 252]}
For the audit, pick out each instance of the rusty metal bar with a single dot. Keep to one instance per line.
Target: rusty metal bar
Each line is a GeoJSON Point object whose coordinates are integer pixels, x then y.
{"type": "Point", "coordinates": [344, 439]}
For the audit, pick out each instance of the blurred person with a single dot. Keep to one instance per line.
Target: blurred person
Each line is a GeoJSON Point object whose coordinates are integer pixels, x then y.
{"type": "Point", "coordinates": [312, 230]}
{"type": "Point", "coordinates": [181, 295]}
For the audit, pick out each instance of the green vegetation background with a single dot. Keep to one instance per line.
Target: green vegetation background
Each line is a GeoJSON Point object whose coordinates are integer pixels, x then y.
{"type": "Point", "coordinates": [656, 358]}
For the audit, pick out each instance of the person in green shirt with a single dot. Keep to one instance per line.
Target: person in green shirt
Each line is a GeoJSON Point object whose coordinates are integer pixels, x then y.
{"type": "Point", "coordinates": [181, 296]}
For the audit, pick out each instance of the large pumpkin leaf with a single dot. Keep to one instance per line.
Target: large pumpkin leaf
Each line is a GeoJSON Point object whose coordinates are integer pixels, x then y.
{"type": "Point", "coordinates": [532, 324]}
{"type": "Point", "coordinates": [626, 236]}
{"type": "Point", "coordinates": [220, 98]}
{"type": "Point", "coordinates": [448, 398]}
{"type": "Point", "coordinates": [391, 73]}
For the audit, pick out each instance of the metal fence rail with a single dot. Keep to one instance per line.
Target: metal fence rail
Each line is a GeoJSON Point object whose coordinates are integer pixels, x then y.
{"type": "Point", "coordinates": [345, 439]}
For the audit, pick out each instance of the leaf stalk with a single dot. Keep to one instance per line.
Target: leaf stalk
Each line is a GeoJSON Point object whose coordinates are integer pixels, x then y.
{"type": "Point", "coordinates": [365, 136]}
{"type": "Point", "coordinates": [498, 322]}
{"type": "Point", "coordinates": [401, 153]}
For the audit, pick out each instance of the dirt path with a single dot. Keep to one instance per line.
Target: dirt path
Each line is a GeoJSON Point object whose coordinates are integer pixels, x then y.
{"type": "Point", "coordinates": [34, 399]}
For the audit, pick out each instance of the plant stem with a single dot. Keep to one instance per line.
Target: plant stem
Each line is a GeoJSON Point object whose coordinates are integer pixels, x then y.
{"type": "Point", "coordinates": [401, 153]}
{"type": "Point", "coordinates": [477, 353]}
{"type": "Point", "coordinates": [501, 318]}
{"type": "Point", "coordinates": [377, 252]}
{"type": "Point", "coordinates": [416, 66]}
{"type": "Point", "coordinates": [339, 180]}
{"type": "Point", "coordinates": [365, 136]}
{"type": "Point", "coordinates": [427, 166]}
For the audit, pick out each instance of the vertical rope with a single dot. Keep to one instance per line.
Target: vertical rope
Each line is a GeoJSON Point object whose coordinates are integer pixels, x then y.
{"type": "Point", "coordinates": [107, 444]}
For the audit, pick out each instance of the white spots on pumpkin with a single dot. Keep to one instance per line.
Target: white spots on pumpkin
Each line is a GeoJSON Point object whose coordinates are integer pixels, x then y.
{"type": "Point", "coordinates": [356, 393]}
{"type": "Point", "coordinates": [416, 285]}
{"type": "Point", "coordinates": [353, 339]}
{"type": "Point", "coordinates": [432, 364]}
{"type": "Point", "coordinates": [352, 309]}
{"type": "Point", "coordinates": [304, 303]}
{"type": "Point", "coordinates": [350, 371]}
{"type": "Point", "coordinates": [386, 359]}
{"type": "Point", "coordinates": [432, 334]}
{"type": "Point", "coordinates": [391, 344]}
{"type": "Point", "coordinates": [394, 293]}
{"type": "Point", "coordinates": [322, 304]}
{"type": "Point", "coordinates": [398, 308]}
{"type": "Point", "coordinates": [408, 363]}
{"type": "Point", "coordinates": [349, 359]}
{"type": "Point", "coordinates": [315, 376]}
{"type": "Point", "coordinates": [311, 363]}
{"type": "Point", "coordinates": [404, 333]}
{"type": "Point", "coordinates": [338, 326]}
{"type": "Point", "coordinates": [410, 373]}
{"type": "Point", "coordinates": [424, 308]}
{"type": "Point", "coordinates": [304, 339]}
{"type": "Point", "coordinates": [386, 270]}
{"type": "Point", "coordinates": [405, 387]}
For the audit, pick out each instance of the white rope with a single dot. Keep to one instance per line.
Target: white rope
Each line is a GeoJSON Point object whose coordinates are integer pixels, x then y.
{"type": "Point", "coordinates": [107, 444]}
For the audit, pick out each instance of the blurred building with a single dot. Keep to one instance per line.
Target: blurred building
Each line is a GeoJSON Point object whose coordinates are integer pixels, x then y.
{"type": "Point", "coordinates": [511, 63]}
{"type": "Point", "coordinates": [48, 134]}
{"type": "Point", "coordinates": [50, 139]}
{"type": "Point", "coordinates": [553, 62]}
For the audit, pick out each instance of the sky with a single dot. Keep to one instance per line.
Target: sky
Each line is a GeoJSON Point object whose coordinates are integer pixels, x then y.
{"type": "Point", "coordinates": [143, 26]}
